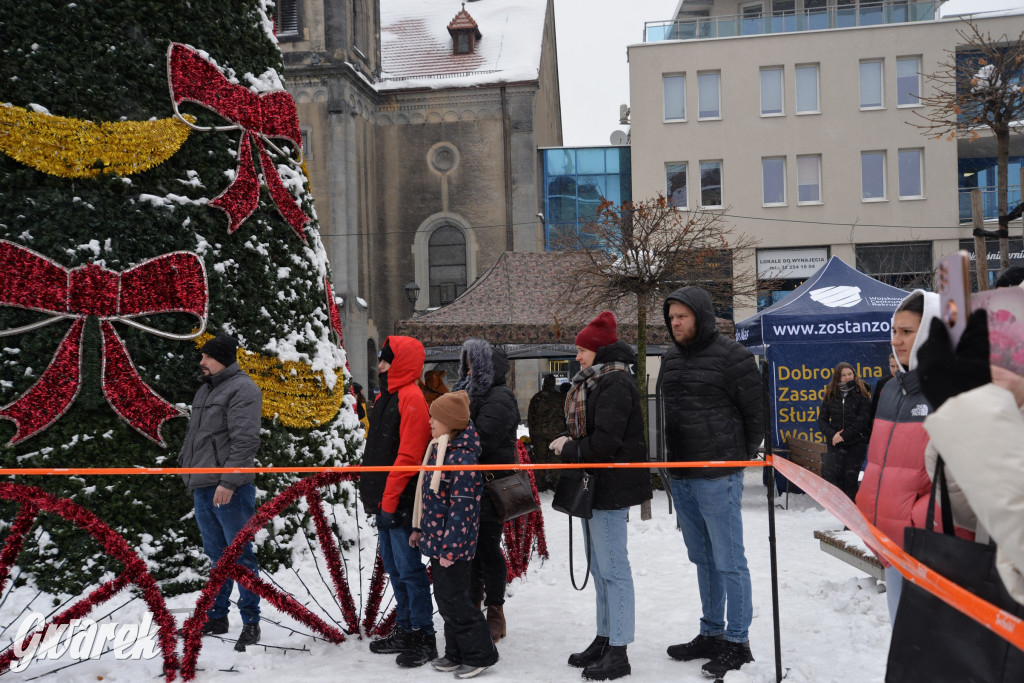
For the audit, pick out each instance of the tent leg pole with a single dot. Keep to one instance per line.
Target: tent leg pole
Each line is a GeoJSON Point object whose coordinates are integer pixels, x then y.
{"type": "Point", "coordinates": [774, 573]}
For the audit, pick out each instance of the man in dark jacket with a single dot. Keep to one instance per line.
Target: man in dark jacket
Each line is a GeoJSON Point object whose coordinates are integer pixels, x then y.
{"type": "Point", "coordinates": [546, 419]}
{"type": "Point", "coordinates": [224, 431]}
{"type": "Point", "coordinates": [399, 434]}
{"type": "Point", "coordinates": [495, 413]}
{"type": "Point", "coordinates": [711, 390]}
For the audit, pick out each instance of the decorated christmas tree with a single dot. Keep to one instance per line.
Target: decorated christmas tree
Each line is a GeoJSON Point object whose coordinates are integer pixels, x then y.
{"type": "Point", "coordinates": [151, 194]}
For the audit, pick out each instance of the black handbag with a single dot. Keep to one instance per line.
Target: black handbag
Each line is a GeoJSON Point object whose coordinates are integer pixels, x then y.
{"type": "Point", "coordinates": [932, 641]}
{"type": "Point", "coordinates": [574, 494]}
{"type": "Point", "coordinates": [512, 495]}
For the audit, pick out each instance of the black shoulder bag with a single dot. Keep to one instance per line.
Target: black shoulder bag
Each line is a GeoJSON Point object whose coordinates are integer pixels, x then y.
{"type": "Point", "coordinates": [574, 496]}
{"type": "Point", "coordinates": [932, 641]}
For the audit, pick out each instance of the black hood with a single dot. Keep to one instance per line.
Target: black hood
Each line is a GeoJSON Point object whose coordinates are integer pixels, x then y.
{"type": "Point", "coordinates": [616, 351]}
{"type": "Point", "coordinates": [699, 302]}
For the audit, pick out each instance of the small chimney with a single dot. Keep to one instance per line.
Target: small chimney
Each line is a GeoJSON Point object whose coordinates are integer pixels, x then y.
{"type": "Point", "coordinates": [464, 32]}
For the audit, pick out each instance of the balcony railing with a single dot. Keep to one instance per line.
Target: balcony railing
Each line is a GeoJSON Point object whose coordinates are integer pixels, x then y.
{"type": "Point", "coordinates": [866, 14]}
{"type": "Point", "coordinates": [989, 201]}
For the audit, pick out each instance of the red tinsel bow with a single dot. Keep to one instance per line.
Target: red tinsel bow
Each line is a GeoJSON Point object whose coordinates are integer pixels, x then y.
{"type": "Point", "coordinates": [267, 115]}
{"type": "Point", "coordinates": [171, 283]}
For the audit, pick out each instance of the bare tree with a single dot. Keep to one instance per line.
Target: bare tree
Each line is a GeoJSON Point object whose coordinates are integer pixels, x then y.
{"type": "Point", "coordinates": [979, 85]}
{"type": "Point", "coordinates": [633, 254]}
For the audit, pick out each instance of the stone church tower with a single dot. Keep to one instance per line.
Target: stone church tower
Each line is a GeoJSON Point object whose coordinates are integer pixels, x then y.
{"type": "Point", "coordinates": [421, 122]}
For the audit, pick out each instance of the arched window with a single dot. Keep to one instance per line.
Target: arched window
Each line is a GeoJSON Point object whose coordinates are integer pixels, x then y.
{"type": "Point", "coordinates": [446, 253]}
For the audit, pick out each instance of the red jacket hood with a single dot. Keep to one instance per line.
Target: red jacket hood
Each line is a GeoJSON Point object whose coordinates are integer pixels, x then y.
{"type": "Point", "coordinates": [408, 364]}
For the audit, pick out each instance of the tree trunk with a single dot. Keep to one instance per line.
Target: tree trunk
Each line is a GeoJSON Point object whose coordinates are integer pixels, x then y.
{"type": "Point", "coordinates": [1002, 187]}
{"type": "Point", "coordinates": [641, 378]}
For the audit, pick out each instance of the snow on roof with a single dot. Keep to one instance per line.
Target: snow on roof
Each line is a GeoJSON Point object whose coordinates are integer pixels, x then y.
{"type": "Point", "coordinates": [416, 48]}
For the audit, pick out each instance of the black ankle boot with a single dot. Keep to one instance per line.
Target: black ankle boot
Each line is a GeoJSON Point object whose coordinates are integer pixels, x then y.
{"type": "Point", "coordinates": [613, 664]}
{"type": "Point", "coordinates": [593, 653]}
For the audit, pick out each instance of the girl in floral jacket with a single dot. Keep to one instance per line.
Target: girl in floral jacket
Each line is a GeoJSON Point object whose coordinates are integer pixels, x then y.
{"type": "Point", "coordinates": [445, 526]}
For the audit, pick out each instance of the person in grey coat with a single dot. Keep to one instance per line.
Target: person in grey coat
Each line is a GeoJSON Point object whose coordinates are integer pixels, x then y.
{"type": "Point", "coordinates": [224, 431]}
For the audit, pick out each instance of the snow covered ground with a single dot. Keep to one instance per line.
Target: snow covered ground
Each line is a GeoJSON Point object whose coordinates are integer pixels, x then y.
{"type": "Point", "coordinates": [834, 623]}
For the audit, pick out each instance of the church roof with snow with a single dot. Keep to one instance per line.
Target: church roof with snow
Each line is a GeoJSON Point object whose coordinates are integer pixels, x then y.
{"type": "Point", "coordinates": [416, 46]}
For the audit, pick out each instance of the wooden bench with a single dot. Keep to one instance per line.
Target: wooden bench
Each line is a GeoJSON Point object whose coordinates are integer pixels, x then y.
{"type": "Point", "coordinates": [807, 454]}
{"type": "Point", "coordinates": [852, 555]}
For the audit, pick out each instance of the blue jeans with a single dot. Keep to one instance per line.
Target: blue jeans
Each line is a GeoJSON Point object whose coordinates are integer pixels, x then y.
{"type": "Point", "coordinates": [893, 588]}
{"type": "Point", "coordinates": [409, 580]}
{"type": "Point", "coordinates": [708, 511]}
{"type": "Point", "coordinates": [613, 579]}
{"type": "Point", "coordinates": [219, 526]}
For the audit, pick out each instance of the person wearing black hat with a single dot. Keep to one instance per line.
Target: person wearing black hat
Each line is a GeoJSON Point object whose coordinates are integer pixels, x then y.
{"type": "Point", "coordinates": [224, 431]}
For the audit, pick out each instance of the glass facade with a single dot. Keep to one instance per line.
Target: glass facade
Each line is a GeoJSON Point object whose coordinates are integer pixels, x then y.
{"type": "Point", "coordinates": [576, 181]}
{"type": "Point", "coordinates": [980, 174]}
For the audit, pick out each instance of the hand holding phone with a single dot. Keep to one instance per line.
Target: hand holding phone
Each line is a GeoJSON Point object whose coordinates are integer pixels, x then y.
{"type": "Point", "coordinates": [955, 293]}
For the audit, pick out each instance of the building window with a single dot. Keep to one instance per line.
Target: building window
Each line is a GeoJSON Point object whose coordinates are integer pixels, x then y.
{"type": "Point", "coordinates": [708, 96]}
{"type": "Point", "coordinates": [771, 91]}
{"type": "Point", "coordinates": [446, 255]}
{"type": "Point", "coordinates": [872, 176]}
{"type": "Point", "coordinates": [305, 143]}
{"type": "Point", "coordinates": [773, 181]}
{"type": "Point", "coordinates": [907, 265]}
{"type": "Point", "coordinates": [908, 81]}
{"type": "Point", "coordinates": [286, 18]}
{"type": "Point", "coordinates": [808, 179]}
{"type": "Point", "coordinates": [674, 88]}
{"type": "Point", "coordinates": [911, 173]}
{"type": "Point", "coordinates": [675, 185]}
{"type": "Point", "coordinates": [807, 89]}
{"type": "Point", "coordinates": [711, 183]}
{"type": "Point", "coordinates": [751, 18]}
{"type": "Point", "coordinates": [871, 84]}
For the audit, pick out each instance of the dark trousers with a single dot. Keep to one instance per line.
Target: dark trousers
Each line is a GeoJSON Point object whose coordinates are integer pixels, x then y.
{"type": "Point", "coordinates": [490, 572]}
{"type": "Point", "coordinates": [467, 639]}
{"type": "Point", "coordinates": [842, 467]}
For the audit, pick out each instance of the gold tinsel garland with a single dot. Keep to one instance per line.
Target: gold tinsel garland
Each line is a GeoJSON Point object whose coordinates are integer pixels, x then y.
{"type": "Point", "coordinates": [292, 392]}
{"type": "Point", "coordinates": [74, 148]}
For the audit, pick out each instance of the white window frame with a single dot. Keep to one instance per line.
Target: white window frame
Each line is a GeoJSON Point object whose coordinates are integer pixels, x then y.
{"type": "Point", "coordinates": [885, 179]}
{"type": "Point", "coordinates": [917, 69]}
{"type": "Point", "coordinates": [881, 84]}
{"type": "Point", "coordinates": [721, 184]}
{"type": "Point", "coordinates": [920, 174]}
{"type": "Point", "coordinates": [686, 194]}
{"type": "Point", "coordinates": [821, 195]}
{"type": "Point", "coordinates": [817, 89]}
{"type": "Point", "coordinates": [764, 200]}
{"type": "Point", "coordinates": [781, 93]}
{"type": "Point", "coordinates": [664, 104]}
{"type": "Point", "coordinates": [718, 95]}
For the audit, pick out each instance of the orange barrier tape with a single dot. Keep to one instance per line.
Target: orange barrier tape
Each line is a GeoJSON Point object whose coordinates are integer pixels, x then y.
{"type": "Point", "coordinates": [1004, 624]}
{"type": "Point", "coordinates": [65, 471]}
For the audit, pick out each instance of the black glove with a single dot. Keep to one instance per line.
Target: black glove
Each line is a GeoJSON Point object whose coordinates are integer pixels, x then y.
{"type": "Point", "coordinates": [390, 520]}
{"type": "Point", "coordinates": [945, 374]}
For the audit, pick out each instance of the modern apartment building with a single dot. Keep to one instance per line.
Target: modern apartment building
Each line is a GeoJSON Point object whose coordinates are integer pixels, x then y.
{"type": "Point", "coordinates": [795, 120]}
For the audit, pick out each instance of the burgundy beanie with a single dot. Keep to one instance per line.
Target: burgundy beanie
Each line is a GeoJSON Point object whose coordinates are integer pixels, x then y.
{"type": "Point", "coordinates": [600, 332]}
{"type": "Point", "coordinates": [451, 410]}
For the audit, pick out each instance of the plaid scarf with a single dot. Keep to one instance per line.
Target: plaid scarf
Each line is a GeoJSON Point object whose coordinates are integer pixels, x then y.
{"type": "Point", "coordinates": [576, 401]}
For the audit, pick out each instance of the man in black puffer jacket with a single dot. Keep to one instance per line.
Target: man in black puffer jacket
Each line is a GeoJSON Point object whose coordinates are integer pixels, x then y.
{"type": "Point", "coordinates": [495, 413]}
{"type": "Point", "coordinates": [711, 390]}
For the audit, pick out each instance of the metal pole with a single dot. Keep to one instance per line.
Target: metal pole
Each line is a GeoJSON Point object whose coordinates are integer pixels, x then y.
{"type": "Point", "coordinates": [775, 572]}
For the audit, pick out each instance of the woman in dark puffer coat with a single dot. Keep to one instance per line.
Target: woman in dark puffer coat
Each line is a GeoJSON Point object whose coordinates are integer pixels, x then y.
{"type": "Point", "coordinates": [845, 420]}
{"type": "Point", "coordinates": [495, 413]}
{"type": "Point", "coordinates": [605, 424]}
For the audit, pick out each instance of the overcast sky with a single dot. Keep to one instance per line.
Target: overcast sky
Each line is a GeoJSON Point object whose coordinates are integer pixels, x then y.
{"type": "Point", "coordinates": [592, 37]}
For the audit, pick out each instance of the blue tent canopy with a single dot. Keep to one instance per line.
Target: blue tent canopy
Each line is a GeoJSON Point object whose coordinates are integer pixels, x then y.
{"type": "Point", "coordinates": [837, 303]}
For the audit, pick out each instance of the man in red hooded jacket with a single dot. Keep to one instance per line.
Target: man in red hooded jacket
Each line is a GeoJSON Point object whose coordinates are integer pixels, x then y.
{"type": "Point", "coordinates": [399, 433]}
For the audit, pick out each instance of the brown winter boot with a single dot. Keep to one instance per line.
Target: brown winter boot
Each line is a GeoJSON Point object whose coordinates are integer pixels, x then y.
{"type": "Point", "coordinates": [496, 621]}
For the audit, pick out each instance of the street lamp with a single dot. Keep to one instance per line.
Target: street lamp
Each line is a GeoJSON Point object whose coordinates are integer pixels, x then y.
{"type": "Point", "coordinates": [412, 293]}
